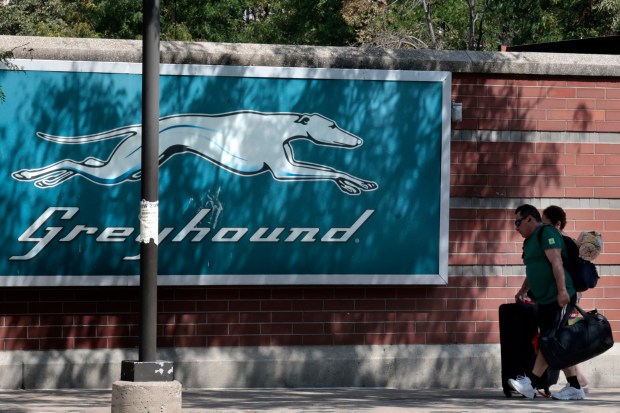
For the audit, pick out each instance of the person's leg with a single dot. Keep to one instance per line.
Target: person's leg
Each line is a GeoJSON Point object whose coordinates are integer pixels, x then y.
{"type": "Point", "coordinates": [526, 385]}
{"type": "Point", "coordinates": [523, 385]}
{"type": "Point", "coordinates": [540, 365]}
{"type": "Point", "coordinates": [547, 319]}
{"type": "Point", "coordinates": [572, 390]}
{"type": "Point", "coordinates": [571, 377]}
{"type": "Point", "coordinates": [583, 380]}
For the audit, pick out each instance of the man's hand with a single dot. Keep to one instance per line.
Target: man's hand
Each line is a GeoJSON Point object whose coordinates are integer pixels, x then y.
{"type": "Point", "coordinates": [521, 294]}
{"type": "Point", "coordinates": [563, 297]}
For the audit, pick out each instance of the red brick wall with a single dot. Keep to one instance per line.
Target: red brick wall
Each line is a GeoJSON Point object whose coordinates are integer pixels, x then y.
{"type": "Point", "coordinates": [464, 311]}
{"type": "Point", "coordinates": [538, 104]}
{"type": "Point", "coordinates": [488, 237]}
{"type": "Point", "coordinates": [535, 169]}
{"type": "Point", "coordinates": [579, 165]}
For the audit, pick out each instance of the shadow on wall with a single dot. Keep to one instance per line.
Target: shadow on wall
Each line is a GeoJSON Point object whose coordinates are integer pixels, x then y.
{"type": "Point", "coordinates": [61, 106]}
{"type": "Point", "coordinates": [400, 367]}
{"type": "Point", "coordinates": [404, 367]}
{"type": "Point", "coordinates": [88, 175]}
{"type": "Point", "coordinates": [334, 366]}
{"type": "Point", "coordinates": [499, 162]}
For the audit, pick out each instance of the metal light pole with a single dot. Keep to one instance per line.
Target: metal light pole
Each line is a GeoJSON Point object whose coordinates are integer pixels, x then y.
{"type": "Point", "coordinates": [137, 390]}
{"type": "Point", "coordinates": [149, 206]}
{"type": "Point", "coordinates": [147, 368]}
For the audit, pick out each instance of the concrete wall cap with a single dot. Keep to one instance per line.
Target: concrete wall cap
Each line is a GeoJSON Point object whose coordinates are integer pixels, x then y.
{"type": "Point", "coordinates": [240, 54]}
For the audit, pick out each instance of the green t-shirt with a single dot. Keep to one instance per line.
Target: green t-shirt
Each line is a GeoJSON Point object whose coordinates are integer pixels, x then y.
{"type": "Point", "coordinates": [538, 268]}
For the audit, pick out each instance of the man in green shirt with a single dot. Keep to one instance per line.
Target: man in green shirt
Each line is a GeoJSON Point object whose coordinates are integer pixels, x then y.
{"type": "Point", "coordinates": [552, 288]}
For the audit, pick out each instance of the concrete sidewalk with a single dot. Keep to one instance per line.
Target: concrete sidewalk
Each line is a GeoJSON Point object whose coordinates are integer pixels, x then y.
{"type": "Point", "coordinates": [316, 400]}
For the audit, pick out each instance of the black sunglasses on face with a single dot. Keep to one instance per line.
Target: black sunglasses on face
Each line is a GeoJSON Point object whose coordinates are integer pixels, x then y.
{"type": "Point", "coordinates": [518, 221]}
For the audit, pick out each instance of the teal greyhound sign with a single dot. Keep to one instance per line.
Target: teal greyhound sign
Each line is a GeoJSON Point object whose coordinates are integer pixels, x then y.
{"type": "Point", "coordinates": [267, 175]}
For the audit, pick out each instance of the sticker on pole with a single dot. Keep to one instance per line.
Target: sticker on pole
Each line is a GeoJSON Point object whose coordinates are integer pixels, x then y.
{"type": "Point", "coordinates": [149, 221]}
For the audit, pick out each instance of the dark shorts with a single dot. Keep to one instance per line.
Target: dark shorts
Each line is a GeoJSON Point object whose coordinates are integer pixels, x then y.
{"type": "Point", "coordinates": [548, 315]}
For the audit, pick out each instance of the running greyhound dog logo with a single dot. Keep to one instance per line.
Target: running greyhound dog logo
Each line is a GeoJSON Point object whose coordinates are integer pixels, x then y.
{"type": "Point", "coordinates": [244, 142]}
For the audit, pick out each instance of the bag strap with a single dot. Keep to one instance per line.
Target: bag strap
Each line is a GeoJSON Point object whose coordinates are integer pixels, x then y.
{"type": "Point", "coordinates": [564, 315]}
{"type": "Point", "coordinates": [540, 235]}
{"type": "Point", "coordinates": [562, 318]}
{"type": "Point", "coordinates": [581, 311]}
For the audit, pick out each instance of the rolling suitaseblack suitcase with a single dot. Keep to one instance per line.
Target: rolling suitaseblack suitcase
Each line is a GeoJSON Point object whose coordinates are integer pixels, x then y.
{"type": "Point", "coordinates": [517, 329]}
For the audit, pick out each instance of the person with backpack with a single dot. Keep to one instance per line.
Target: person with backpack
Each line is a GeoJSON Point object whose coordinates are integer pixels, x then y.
{"type": "Point", "coordinates": [556, 216]}
{"type": "Point", "coordinates": [552, 288]}
{"type": "Point", "coordinates": [581, 252]}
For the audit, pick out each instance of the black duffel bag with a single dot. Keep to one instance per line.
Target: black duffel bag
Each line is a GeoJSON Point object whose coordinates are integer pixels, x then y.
{"type": "Point", "coordinates": [568, 345]}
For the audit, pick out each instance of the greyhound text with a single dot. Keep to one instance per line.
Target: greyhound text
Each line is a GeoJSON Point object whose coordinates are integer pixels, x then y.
{"type": "Point", "coordinates": [192, 232]}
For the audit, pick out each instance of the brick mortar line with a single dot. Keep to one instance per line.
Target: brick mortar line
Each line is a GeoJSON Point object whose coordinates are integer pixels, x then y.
{"type": "Point", "coordinates": [534, 136]}
{"type": "Point", "coordinates": [512, 270]}
{"type": "Point", "coordinates": [512, 203]}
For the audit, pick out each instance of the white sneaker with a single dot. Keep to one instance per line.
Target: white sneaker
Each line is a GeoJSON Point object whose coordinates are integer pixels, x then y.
{"type": "Point", "coordinates": [569, 393]}
{"type": "Point", "coordinates": [523, 385]}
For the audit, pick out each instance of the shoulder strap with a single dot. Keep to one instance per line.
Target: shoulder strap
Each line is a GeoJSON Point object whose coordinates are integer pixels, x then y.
{"type": "Point", "coordinates": [540, 234]}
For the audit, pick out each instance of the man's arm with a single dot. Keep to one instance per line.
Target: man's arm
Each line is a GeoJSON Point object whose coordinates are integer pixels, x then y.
{"type": "Point", "coordinates": [554, 255]}
{"type": "Point", "coordinates": [522, 293]}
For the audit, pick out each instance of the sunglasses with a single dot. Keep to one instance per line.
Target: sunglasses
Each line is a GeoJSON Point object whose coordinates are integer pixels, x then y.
{"type": "Point", "coordinates": [518, 221]}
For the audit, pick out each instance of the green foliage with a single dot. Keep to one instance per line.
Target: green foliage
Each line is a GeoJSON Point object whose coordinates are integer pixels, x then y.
{"type": "Point", "coordinates": [215, 21]}
{"type": "Point", "coordinates": [45, 18]}
{"type": "Point", "coordinates": [5, 60]}
{"type": "Point", "coordinates": [610, 8]}
{"type": "Point", "coordinates": [551, 20]}
{"type": "Point", "coordinates": [318, 22]}
{"type": "Point", "coordinates": [581, 19]}
{"type": "Point", "coordinates": [451, 24]}
{"type": "Point", "coordinates": [114, 19]}
{"type": "Point", "coordinates": [395, 25]}
{"type": "Point", "coordinates": [451, 17]}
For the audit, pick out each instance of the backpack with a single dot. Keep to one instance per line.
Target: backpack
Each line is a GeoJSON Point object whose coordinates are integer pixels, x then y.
{"type": "Point", "coordinates": [583, 273]}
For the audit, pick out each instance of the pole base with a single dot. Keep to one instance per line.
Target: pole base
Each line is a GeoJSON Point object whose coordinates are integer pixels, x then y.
{"type": "Point", "coordinates": [146, 397]}
{"type": "Point", "coordinates": [132, 370]}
